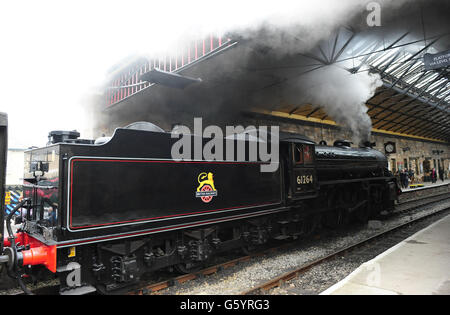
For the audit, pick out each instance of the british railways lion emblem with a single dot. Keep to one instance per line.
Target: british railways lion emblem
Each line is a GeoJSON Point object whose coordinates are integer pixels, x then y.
{"type": "Point", "coordinates": [206, 189]}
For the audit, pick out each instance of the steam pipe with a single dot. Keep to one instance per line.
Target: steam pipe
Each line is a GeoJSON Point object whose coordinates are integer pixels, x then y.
{"type": "Point", "coordinates": [12, 239]}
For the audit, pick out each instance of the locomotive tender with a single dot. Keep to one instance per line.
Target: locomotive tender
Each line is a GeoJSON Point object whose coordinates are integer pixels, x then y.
{"type": "Point", "coordinates": [100, 215]}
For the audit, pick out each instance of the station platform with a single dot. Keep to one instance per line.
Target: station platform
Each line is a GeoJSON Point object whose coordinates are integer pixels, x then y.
{"type": "Point", "coordinates": [426, 185]}
{"type": "Point", "coordinates": [419, 265]}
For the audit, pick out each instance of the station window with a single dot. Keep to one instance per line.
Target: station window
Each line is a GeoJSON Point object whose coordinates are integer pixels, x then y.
{"type": "Point", "coordinates": [393, 165]}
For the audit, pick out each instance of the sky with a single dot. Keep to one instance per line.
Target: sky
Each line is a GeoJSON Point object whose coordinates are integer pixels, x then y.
{"type": "Point", "coordinates": [54, 53]}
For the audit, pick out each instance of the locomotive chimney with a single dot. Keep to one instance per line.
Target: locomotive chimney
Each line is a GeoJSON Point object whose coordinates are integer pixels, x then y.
{"type": "Point", "coordinates": [342, 143]}
{"type": "Point", "coordinates": [367, 144]}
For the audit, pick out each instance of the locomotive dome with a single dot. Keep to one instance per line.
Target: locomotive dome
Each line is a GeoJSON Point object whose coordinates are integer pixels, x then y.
{"type": "Point", "coordinates": [139, 125]}
{"type": "Point", "coordinates": [144, 126]}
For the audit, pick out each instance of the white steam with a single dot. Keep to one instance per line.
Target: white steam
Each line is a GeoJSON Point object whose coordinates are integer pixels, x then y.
{"type": "Point", "coordinates": [342, 95]}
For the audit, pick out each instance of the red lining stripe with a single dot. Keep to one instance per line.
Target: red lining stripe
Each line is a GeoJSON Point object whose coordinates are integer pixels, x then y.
{"type": "Point", "coordinates": [170, 161]}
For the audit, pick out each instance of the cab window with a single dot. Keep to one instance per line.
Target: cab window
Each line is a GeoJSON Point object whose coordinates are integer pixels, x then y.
{"type": "Point", "coordinates": [298, 154]}
{"type": "Point", "coordinates": [303, 154]}
{"type": "Point", "coordinates": [308, 154]}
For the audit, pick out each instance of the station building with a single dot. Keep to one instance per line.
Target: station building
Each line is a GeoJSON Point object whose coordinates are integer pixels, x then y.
{"type": "Point", "coordinates": [237, 79]}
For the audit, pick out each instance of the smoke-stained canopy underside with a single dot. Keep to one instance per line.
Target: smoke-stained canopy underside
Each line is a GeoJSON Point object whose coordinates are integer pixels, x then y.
{"type": "Point", "coordinates": [355, 76]}
{"type": "Point", "coordinates": [411, 100]}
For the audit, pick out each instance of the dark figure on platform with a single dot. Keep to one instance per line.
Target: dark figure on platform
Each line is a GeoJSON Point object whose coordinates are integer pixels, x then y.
{"type": "Point", "coordinates": [411, 176]}
{"type": "Point", "coordinates": [406, 178]}
{"type": "Point", "coordinates": [433, 175]}
{"type": "Point", "coordinates": [441, 174]}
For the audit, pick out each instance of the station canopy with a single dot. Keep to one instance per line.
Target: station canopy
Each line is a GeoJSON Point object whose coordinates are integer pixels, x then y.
{"type": "Point", "coordinates": [411, 100]}
{"type": "Point", "coordinates": [414, 98]}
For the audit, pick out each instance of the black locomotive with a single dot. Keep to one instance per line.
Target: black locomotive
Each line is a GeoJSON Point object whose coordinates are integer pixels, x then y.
{"type": "Point", "coordinates": [100, 215]}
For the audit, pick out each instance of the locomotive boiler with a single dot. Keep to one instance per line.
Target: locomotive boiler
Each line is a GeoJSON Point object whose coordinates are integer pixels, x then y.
{"type": "Point", "coordinates": [100, 215]}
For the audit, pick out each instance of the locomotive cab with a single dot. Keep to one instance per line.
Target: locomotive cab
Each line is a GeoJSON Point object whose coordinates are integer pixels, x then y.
{"type": "Point", "coordinates": [301, 174]}
{"type": "Point", "coordinates": [33, 245]}
{"type": "Point", "coordinates": [41, 187]}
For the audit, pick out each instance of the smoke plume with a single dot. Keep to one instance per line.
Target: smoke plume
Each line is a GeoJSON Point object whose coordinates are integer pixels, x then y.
{"type": "Point", "coordinates": [341, 94]}
{"type": "Point", "coordinates": [260, 74]}
{"type": "Point", "coordinates": [69, 49]}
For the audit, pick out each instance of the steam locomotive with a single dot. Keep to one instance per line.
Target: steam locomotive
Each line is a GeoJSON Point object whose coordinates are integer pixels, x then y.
{"type": "Point", "coordinates": [100, 215]}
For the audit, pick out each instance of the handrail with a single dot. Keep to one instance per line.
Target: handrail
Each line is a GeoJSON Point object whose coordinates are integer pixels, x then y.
{"type": "Point", "coordinates": [127, 81]}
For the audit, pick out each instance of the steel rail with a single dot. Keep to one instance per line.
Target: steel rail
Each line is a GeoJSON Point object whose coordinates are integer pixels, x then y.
{"type": "Point", "coordinates": [280, 280]}
{"type": "Point", "coordinates": [155, 287]}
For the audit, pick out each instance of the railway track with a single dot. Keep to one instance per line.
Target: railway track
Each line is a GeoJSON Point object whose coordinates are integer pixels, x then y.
{"type": "Point", "coordinates": [46, 290]}
{"type": "Point", "coordinates": [413, 204]}
{"type": "Point", "coordinates": [151, 288]}
{"type": "Point", "coordinates": [280, 280]}
{"type": "Point", "coordinates": [437, 197]}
